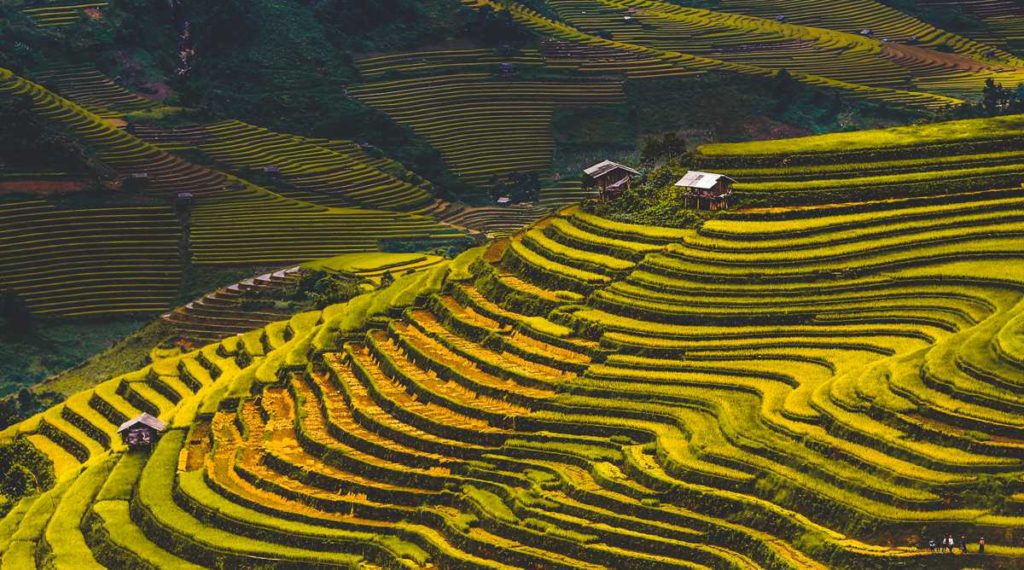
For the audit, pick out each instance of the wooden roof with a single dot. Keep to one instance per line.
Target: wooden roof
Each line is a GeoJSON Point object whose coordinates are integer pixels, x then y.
{"type": "Point", "coordinates": [606, 166]}
{"type": "Point", "coordinates": [146, 420]}
{"type": "Point", "coordinates": [701, 180]}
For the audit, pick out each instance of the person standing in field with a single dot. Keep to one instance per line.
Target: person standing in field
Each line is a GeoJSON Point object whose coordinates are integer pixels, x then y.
{"type": "Point", "coordinates": [963, 544]}
{"type": "Point", "coordinates": [981, 545]}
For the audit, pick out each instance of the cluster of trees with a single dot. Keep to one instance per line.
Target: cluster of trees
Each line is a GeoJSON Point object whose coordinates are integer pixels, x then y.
{"type": "Point", "coordinates": [15, 315]}
{"type": "Point", "coordinates": [517, 186]}
{"type": "Point", "coordinates": [363, 16]}
{"type": "Point", "coordinates": [24, 405]}
{"type": "Point", "coordinates": [652, 200]}
{"type": "Point", "coordinates": [996, 99]}
{"type": "Point", "coordinates": [30, 141]}
{"type": "Point", "coordinates": [18, 479]}
{"type": "Point", "coordinates": [315, 290]}
{"type": "Point", "coordinates": [323, 289]}
{"type": "Point", "coordinates": [669, 147]}
{"type": "Point", "coordinates": [493, 27]}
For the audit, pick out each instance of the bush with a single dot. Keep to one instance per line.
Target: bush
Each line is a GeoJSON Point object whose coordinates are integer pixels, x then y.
{"type": "Point", "coordinates": [653, 201]}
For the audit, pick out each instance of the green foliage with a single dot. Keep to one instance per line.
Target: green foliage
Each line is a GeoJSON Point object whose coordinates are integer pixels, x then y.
{"type": "Point", "coordinates": [669, 146]}
{"type": "Point", "coordinates": [15, 315]}
{"type": "Point", "coordinates": [31, 142]}
{"type": "Point", "coordinates": [493, 27]}
{"type": "Point", "coordinates": [76, 355]}
{"type": "Point", "coordinates": [313, 290]}
{"type": "Point", "coordinates": [21, 470]}
{"type": "Point", "coordinates": [55, 346]}
{"type": "Point", "coordinates": [271, 63]}
{"type": "Point", "coordinates": [324, 289]}
{"type": "Point", "coordinates": [653, 201]}
{"type": "Point", "coordinates": [727, 106]}
{"type": "Point", "coordinates": [379, 25]}
{"type": "Point", "coordinates": [518, 186]}
{"type": "Point", "coordinates": [24, 405]}
{"type": "Point", "coordinates": [995, 100]}
{"type": "Point", "coordinates": [593, 127]}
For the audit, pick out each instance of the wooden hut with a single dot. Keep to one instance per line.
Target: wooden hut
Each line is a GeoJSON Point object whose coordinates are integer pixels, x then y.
{"type": "Point", "coordinates": [141, 432]}
{"type": "Point", "coordinates": [611, 178]}
{"type": "Point", "coordinates": [706, 190]}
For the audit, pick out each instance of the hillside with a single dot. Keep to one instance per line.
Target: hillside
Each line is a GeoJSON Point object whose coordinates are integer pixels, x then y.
{"type": "Point", "coordinates": [789, 387]}
{"type": "Point", "coordinates": [323, 284]}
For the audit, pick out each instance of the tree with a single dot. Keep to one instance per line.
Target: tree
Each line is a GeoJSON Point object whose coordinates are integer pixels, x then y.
{"type": "Point", "coordinates": [588, 181]}
{"type": "Point", "coordinates": [993, 97]}
{"type": "Point", "coordinates": [331, 290]}
{"type": "Point", "coordinates": [785, 88]}
{"type": "Point", "coordinates": [20, 472]}
{"type": "Point", "coordinates": [30, 140]}
{"type": "Point", "coordinates": [668, 146]}
{"type": "Point", "coordinates": [518, 186]}
{"type": "Point", "coordinates": [15, 313]}
{"type": "Point", "coordinates": [26, 400]}
{"type": "Point", "coordinates": [18, 481]}
{"type": "Point", "coordinates": [496, 27]}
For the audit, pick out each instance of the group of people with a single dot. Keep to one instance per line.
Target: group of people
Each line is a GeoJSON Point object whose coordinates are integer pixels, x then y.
{"type": "Point", "coordinates": [948, 544]}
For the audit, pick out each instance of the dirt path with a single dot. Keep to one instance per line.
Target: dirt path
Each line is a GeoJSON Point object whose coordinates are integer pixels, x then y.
{"type": "Point", "coordinates": [41, 187]}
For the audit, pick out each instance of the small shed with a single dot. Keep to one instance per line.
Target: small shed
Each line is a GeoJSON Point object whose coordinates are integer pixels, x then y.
{"type": "Point", "coordinates": [706, 190]}
{"type": "Point", "coordinates": [611, 177]}
{"type": "Point", "coordinates": [134, 180]}
{"type": "Point", "coordinates": [141, 432]}
{"type": "Point", "coordinates": [183, 201]}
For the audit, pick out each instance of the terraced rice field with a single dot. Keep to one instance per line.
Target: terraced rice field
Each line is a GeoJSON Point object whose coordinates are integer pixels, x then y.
{"type": "Point", "coordinates": [75, 262]}
{"type": "Point", "coordinates": [842, 46]}
{"type": "Point", "coordinates": [787, 388]}
{"type": "Point", "coordinates": [93, 90]}
{"type": "Point", "coordinates": [62, 15]}
{"type": "Point", "coordinates": [1003, 20]}
{"type": "Point", "coordinates": [485, 126]}
{"type": "Point", "coordinates": [947, 158]}
{"type": "Point", "coordinates": [232, 221]}
{"type": "Point", "coordinates": [330, 173]}
{"type": "Point", "coordinates": [250, 225]}
{"type": "Point", "coordinates": [222, 313]}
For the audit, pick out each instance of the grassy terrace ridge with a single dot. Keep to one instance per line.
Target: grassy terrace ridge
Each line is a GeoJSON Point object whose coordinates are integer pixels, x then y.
{"type": "Point", "coordinates": [939, 164]}
{"type": "Point", "coordinates": [476, 414]}
{"type": "Point", "coordinates": [484, 125]}
{"type": "Point", "coordinates": [874, 140]}
{"type": "Point", "coordinates": [827, 377]}
{"type": "Point", "coordinates": [75, 262]}
{"type": "Point", "coordinates": [701, 40]}
{"type": "Point", "coordinates": [100, 261]}
{"type": "Point", "coordinates": [877, 66]}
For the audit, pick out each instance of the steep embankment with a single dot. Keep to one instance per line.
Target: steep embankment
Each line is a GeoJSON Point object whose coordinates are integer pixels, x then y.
{"type": "Point", "coordinates": [787, 388]}
{"type": "Point", "coordinates": [923, 160]}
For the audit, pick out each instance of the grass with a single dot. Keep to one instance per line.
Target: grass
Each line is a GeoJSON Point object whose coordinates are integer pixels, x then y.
{"type": "Point", "coordinates": [359, 263]}
{"type": "Point", "coordinates": [60, 349]}
{"type": "Point", "coordinates": [786, 388]}
{"type": "Point", "coordinates": [771, 403]}
{"type": "Point", "coordinates": [917, 135]}
{"type": "Point", "coordinates": [120, 355]}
